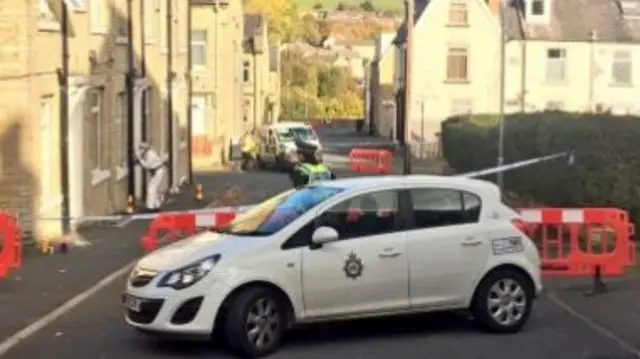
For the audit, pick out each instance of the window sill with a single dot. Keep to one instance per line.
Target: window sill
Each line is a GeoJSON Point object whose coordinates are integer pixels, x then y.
{"type": "Point", "coordinates": [48, 26]}
{"type": "Point", "coordinates": [150, 42]}
{"type": "Point", "coordinates": [122, 172]}
{"type": "Point", "coordinates": [457, 82]}
{"type": "Point", "coordinates": [99, 175]}
{"type": "Point", "coordinates": [99, 30]}
{"type": "Point", "coordinates": [621, 85]}
{"type": "Point", "coordinates": [122, 40]}
{"type": "Point", "coordinates": [459, 26]}
{"type": "Point", "coordinates": [49, 203]}
{"type": "Point", "coordinates": [183, 145]}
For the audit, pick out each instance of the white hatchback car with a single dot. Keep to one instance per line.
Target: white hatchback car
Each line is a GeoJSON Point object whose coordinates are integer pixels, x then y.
{"type": "Point", "coordinates": [350, 248]}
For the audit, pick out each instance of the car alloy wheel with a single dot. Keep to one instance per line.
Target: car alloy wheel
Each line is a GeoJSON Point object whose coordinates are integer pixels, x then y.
{"type": "Point", "coordinates": [507, 302]}
{"type": "Point", "coordinates": [263, 324]}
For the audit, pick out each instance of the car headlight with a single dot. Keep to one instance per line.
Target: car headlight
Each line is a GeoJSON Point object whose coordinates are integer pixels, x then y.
{"type": "Point", "coordinates": [189, 275]}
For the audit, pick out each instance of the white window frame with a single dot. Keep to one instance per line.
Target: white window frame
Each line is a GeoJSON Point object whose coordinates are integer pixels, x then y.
{"type": "Point", "coordinates": [99, 20]}
{"type": "Point", "coordinates": [46, 149]}
{"type": "Point", "coordinates": [47, 20]}
{"type": "Point", "coordinates": [457, 51]}
{"type": "Point", "coordinates": [199, 43]}
{"type": "Point", "coordinates": [560, 61]}
{"type": "Point", "coordinates": [622, 60]}
{"type": "Point", "coordinates": [458, 13]}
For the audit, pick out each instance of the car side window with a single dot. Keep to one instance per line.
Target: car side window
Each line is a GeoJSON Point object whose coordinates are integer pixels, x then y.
{"type": "Point", "coordinates": [438, 207]}
{"type": "Point", "coordinates": [364, 215]}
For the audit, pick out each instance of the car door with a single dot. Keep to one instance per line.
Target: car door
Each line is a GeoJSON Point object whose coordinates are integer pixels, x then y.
{"type": "Point", "coordinates": [366, 269]}
{"type": "Point", "coordinates": [447, 246]}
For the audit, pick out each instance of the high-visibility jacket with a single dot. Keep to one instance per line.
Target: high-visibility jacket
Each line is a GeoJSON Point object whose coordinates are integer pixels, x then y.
{"type": "Point", "coordinates": [248, 144]}
{"type": "Point", "coordinates": [305, 173]}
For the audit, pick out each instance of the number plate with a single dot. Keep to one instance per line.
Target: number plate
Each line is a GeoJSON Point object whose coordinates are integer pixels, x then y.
{"type": "Point", "coordinates": [132, 303]}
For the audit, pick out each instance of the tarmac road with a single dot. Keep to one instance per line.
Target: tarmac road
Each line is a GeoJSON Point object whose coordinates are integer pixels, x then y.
{"type": "Point", "coordinates": [95, 329]}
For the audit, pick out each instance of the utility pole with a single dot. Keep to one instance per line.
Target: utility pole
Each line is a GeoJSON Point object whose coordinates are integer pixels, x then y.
{"type": "Point", "coordinates": [189, 95]}
{"type": "Point", "coordinates": [63, 82]}
{"type": "Point", "coordinates": [500, 175]}
{"type": "Point", "coordinates": [409, 4]}
{"type": "Point", "coordinates": [130, 87]}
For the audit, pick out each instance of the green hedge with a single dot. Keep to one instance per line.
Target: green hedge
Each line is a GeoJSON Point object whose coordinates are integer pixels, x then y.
{"type": "Point", "coordinates": [606, 171]}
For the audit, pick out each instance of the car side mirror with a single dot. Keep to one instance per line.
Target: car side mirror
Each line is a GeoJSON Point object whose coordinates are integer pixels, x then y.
{"type": "Point", "coordinates": [324, 235]}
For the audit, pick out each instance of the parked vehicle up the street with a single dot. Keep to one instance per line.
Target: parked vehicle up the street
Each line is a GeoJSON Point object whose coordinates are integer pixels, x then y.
{"type": "Point", "coordinates": [277, 147]}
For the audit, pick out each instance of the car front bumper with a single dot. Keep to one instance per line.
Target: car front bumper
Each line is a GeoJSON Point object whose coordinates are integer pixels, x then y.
{"type": "Point", "coordinates": [189, 312]}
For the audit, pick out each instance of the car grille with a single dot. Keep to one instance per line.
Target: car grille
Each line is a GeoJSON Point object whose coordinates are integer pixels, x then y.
{"type": "Point", "coordinates": [141, 277]}
{"type": "Point", "coordinates": [148, 311]}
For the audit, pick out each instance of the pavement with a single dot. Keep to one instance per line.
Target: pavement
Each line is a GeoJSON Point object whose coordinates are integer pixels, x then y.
{"type": "Point", "coordinates": [565, 323]}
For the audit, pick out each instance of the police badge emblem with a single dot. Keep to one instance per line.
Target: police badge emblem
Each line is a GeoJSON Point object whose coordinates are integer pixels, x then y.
{"type": "Point", "coordinates": [353, 266]}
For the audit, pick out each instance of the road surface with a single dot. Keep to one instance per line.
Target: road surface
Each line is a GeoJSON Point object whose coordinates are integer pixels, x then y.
{"type": "Point", "coordinates": [94, 328]}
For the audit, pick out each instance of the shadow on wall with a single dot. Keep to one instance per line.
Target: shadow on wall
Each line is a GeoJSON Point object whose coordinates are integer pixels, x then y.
{"type": "Point", "coordinates": [18, 188]}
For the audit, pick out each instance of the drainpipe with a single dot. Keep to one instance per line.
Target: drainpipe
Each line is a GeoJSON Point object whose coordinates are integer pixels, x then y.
{"type": "Point", "coordinates": [143, 74]}
{"type": "Point", "coordinates": [130, 86]}
{"type": "Point", "coordinates": [189, 96]}
{"type": "Point", "coordinates": [63, 82]}
{"type": "Point", "coordinates": [169, 85]}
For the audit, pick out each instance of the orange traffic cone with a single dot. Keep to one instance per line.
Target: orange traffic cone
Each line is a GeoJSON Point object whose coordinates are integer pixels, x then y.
{"type": "Point", "coordinates": [131, 204]}
{"type": "Point", "coordinates": [199, 192]}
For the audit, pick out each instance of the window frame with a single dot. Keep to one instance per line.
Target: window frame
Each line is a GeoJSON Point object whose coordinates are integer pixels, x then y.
{"type": "Point", "coordinates": [246, 71]}
{"type": "Point", "coordinates": [622, 58]}
{"type": "Point", "coordinates": [550, 61]}
{"type": "Point", "coordinates": [458, 15]}
{"type": "Point", "coordinates": [201, 44]}
{"type": "Point", "coordinates": [461, 193]}
{"type": "Point", "coordinates": [454, 72]}
{"type": "Point", "coordinates": [400, 222]}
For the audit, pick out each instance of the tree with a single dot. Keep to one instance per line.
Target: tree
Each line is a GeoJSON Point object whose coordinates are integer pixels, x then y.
{"type": "Point", "coordinates": [318, 7]}
{"type": "Point", "coordinates": [367, 6]}
{"type": "Point", "coordinates": [352, 105]}
{"type": "Point", "coordinates": [333, 81]}
{"type": "Point", "coordinates": [282, 17]}
{"type": "Point", "coordinates": [311, 30]}
{"type": "Point", "coordinates": [341, 6]}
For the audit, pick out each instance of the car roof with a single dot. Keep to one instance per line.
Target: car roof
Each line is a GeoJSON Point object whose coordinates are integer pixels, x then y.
{"type": "Point", "coordinates": [373, 182]}
{"type": "Point", "coordinates": [285, 125]}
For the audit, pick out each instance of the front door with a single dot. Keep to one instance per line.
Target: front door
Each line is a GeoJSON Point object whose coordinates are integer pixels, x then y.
{"type": "Point", "coordinates": [447, 251]}
{"type": "Point", "coordinates": [366, 269]}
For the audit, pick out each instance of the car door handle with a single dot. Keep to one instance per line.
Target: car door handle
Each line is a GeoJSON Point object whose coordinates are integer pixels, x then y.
{"type": "Point", "coordinates": [389, 252]}
{"type": "Point", "coordinates": [471, 242]}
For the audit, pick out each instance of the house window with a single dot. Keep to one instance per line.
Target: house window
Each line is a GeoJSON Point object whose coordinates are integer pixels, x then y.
{"type": "Point", "coordinates": [457, 63]}
{"type": "Point", "coordinates": [621, 68]}
{"type": "Point", "coordinates": [120, 19]}
{"type": "Point", "coordinates": [537, 7]}
{"type": "Point", "coordinates": [95, 135]}
{"type": "Point", "coordinates": [47, 171]}
{"type": "Point", "coordinates": [121, 126]}
{"type": "Point", "coordinates": [246, 71]}
{"type": "Point", "coordinates": [458, 15]}
{"type": "Point", "coordinates": [556, 59]}
{"type": "Point", "coordinates": [199, 47]}
{"type": "Point", "coordinates": [99, 15]}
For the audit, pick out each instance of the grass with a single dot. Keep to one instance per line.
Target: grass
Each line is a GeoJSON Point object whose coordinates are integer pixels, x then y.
{"type": "Point", "coordinates": [384, 5]}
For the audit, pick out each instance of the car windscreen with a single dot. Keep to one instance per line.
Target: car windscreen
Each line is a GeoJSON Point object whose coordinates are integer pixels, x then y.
{"type": "Point", "coordinates": [303, 133]}
{"type": "Point", "coordinates": [274, 214]}
{"type": "Point", "coordinates": [285, 135]}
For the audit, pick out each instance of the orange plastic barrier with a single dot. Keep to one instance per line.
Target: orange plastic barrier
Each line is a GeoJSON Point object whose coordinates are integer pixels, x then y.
{"type": "Point", "coordinates": [10, 244]}
{"type": "Point", "coordinates": [581, 241]}
{"type": "Point", "coordinates": [370, 160]}
{"type": "Point", "coordinates": [171, 226]}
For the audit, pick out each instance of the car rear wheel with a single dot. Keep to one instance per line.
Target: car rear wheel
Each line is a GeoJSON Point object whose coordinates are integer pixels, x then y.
{"type": "Point", "coordinates": [255, 323]}
{"type": "Point", "coordinates": [503, 301]}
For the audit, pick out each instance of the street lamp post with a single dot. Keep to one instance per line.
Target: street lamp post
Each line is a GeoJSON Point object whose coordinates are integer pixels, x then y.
{"type": "Point", "coordinates": [500, 175]}
{"type": "Point", "coordinates": [409, 4]}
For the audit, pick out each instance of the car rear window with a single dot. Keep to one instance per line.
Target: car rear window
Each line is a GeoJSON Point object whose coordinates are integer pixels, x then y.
{"type": "Point", "coordinates": [438, 207]}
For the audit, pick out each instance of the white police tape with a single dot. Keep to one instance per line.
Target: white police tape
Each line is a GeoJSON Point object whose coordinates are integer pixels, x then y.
{"type": "Point", "coordinates": [525, 163]}
{"type": "Point", "coordinates": [147, 216]}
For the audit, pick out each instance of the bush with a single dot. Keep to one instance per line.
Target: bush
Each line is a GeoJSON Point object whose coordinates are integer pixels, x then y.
{"type": "Point", "coordinates": [606, 171]}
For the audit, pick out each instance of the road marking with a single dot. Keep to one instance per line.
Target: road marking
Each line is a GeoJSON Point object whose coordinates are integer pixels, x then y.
{"type": "Point", "coordinates": [68, 306]}
{"type": "Point", "coordinates": [123, 223]}
{"type": "Point", "coordinates": [624, 344]}
{"type": "Point", "coordinates": [71, 304]}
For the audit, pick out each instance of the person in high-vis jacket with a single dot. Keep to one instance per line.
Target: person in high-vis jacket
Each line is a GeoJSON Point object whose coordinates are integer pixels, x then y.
{"type": "Point", "coordinates": [249, 149]}
{"type": "Point", "coordinates": [310, 168]}
{"type": "Point", "coordinates": [150, 160]}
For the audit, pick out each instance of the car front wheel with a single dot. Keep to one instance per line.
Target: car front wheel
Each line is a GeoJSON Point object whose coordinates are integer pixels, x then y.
{"type": "Point", "coordinates": [503, 301]}
{"type": "Point", "coordinates": [255, 323]}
